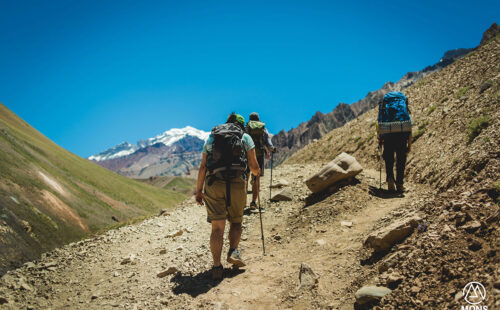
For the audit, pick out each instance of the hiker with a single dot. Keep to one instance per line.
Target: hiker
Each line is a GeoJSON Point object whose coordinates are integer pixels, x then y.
{"type": "Point", "coordinates": [394, 133]}
{"type": "Point", "coordinates": [263, 146]}
{"type": "Point", "coordinates": [222, 174]}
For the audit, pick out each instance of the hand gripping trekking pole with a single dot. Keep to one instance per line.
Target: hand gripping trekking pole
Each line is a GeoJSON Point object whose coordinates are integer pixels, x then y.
{"type": "Point", "coordinates": [260, 216]}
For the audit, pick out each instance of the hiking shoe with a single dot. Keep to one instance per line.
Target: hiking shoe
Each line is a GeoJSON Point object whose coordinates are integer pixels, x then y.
{"type": "Point", "coordinates": [217, 273]}
{"type": "Point", "coordinates": [400, 188]}
{"type": "Point", "coordinates": [234, 257]}
{"type": "Point", "coordinates": [253, 205]}
{"type": "Point", "coordinates": [391, 186]}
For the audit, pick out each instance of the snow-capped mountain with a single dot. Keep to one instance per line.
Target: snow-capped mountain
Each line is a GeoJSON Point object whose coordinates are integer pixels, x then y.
{"type": "Point", "coordinates": [174, 152]}
{"type": "Point", "coordinates": [168, 138]}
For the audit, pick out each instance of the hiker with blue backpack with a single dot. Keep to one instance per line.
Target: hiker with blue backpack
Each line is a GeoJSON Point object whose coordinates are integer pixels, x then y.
{"type": "Point", "coordinates": [394, 133]}
{"type": "Point", "coordinates": [221, 186]}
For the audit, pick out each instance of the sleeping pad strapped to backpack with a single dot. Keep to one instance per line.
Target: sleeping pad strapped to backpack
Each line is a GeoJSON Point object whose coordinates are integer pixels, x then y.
{"type": "Point", "coordinates": [393, 114]}
{"type": "Point", "coordinates": [256, 130]}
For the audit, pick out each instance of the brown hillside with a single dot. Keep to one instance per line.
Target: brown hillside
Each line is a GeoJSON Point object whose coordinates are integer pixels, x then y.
{"type": "Point", "coordinates": [456, 113]}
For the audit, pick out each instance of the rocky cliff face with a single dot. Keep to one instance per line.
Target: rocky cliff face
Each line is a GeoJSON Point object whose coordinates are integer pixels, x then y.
{"type": "Point", "coordinates": [289, 142]}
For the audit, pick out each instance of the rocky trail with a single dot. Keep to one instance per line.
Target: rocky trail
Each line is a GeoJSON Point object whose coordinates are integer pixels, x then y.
{"type": "Point", "coordinates": [163, 262]}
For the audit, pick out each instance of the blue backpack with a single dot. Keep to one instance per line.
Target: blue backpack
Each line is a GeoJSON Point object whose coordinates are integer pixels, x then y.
{"type": "Point", "coordinates": [393, 114]}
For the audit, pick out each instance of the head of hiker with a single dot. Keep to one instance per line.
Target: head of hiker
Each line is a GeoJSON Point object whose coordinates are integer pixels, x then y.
{"type": "Point", "coordinates": [254, 116]}
{"type": "Point", "coordinates": [221, 186]}
{"type": "Point", "coordinates": [263, 147]}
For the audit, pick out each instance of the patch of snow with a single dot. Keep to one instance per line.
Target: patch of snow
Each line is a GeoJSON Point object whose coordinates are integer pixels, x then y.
{"type": "Point", "coordinates": [168, 138]}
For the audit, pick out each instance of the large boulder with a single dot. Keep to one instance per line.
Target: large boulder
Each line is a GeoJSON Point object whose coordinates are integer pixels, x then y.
{"type": "Point", "coordinates": [342, 167]}
{"type": "Point", "coordinates": [386, 237]}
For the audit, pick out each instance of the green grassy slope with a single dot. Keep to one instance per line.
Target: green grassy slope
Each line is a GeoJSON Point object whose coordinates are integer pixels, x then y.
{"type": "Point", "coordinates": [179, 184]}
{"type": "Point", "coordinates": [49, 196]}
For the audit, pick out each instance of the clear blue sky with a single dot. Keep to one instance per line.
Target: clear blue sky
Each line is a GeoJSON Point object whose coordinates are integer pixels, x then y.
{"type": "Point", "coordinates": [91, 74]}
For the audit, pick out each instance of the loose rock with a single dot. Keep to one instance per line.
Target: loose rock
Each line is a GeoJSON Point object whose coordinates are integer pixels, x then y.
{"type": "Point", "coordinates": [385, 238]}
{"type": "Point", "coordinates": [342, 167]}
{"type": "Point", "coordinates": [370, 293]}
{"type": "Point", "coordinates": [169, 271]}
{"type": "Point", "coordinates": [308, 279]}
{"type": "Point", "coordinates": [284, 195]}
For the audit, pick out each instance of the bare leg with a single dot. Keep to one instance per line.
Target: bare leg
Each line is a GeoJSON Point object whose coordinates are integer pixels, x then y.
{"type": "Point", "coordinates": [216, 240]}
{"type": "Point", "coordinates": [255, 188]}
{"type": "Point", "coordinates": [234, 235]}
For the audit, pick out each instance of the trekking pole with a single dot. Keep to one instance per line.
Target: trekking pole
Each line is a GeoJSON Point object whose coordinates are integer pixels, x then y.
{"type": "Point", "coordinates": [260, 216]}
{"type": "Point", "coordinates": [271, 182]}
{"type": "Point", "coordinates": [380, 164]}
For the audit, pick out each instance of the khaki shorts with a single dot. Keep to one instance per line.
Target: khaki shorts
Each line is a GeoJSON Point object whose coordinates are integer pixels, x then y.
{"type": "Point", "coordinates": [215, 200]}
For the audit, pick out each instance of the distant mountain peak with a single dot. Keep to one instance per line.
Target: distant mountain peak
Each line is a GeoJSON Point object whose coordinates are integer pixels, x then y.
{"type": "Point", "coordinates": [167, 138]}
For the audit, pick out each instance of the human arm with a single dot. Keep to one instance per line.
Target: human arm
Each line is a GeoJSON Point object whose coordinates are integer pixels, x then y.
{"type": "Point", "coordinates": [201, 179]}
{"type": "Point", "coordinates": [252, 162]}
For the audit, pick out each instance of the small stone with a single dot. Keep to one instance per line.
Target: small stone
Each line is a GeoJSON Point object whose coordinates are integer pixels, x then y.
{"type": "Point", "coordinates": [3, 300]}
{"type": "Point", "coordinates": [279, 184]}
{"type": "Point", "coordinates": [346, 224]}
{"type": "Point", "coordinates": [415, 289]}
{"type": "Point", "coordinates": [163, 212]}
{"type": "Point", "coordinates": [116, 274]}
{"type": "Point", "coordinates": [169, 271]}
{"type": "Point", "coordinates": [164, 251]}
{"type": "Point", "coordinates": [472, 226]}
{"type": "Point", "coordinates": [284, 195]}
{"type": "Point", "coordinates": [321, 242]}
{"type": "Point", "coordinates": [175, 234]}
{"type": "Point", "coordinates": [308, 279]}
{"type": "Point", "coordinates": [370, 293]}
{"type": "Point", "coordinates": [129, 260]}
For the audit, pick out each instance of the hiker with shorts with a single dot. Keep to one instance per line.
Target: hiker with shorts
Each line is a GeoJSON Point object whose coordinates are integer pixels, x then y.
{"type": "Point", "coordinates": [263, 146]}
{"type": "Point", "coordinates": [394, 133]}
{"type": "Point", "coordinates": [221, 186]}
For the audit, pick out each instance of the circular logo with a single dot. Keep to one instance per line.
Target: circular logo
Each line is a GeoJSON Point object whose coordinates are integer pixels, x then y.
{"type": "Point", "coordinates": [474, 293]}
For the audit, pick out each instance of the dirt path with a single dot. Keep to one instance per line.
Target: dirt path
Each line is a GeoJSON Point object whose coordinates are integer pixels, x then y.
{"type": "Point", "coordinates": [119, 269]}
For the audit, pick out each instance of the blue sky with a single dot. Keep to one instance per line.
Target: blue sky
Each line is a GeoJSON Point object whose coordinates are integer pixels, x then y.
{"type": "Point", "coordinates": [91, 74]}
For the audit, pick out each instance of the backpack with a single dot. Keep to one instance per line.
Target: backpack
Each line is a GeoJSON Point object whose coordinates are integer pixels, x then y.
{"type": "Point", "coordinates": [393, 114]}
{"type": "Point", "coordinates": [256, 130]}
{"type": "Point", "coordinates": [228, 158]}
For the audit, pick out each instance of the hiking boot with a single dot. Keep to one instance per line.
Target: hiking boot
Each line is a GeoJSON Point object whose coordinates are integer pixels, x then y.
{"type": "Point", "coordinates": [217, 273]}
{"type": "Point", "coordinates": [253, 205]}
{"type": "Point", "coordinates": [234, 257]}
{"type": "Point", "coordinates": [400, 188]}
{"type": "Point", "coordinates": [391, 186]}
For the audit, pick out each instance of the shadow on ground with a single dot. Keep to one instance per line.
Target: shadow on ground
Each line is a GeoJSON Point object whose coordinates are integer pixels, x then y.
{"type": "Point", "coordinates": [318, 197]}
{"type": "Point", "coordinates": [199, 283]}
{"type": "Point", "coordinates": [383, 193]}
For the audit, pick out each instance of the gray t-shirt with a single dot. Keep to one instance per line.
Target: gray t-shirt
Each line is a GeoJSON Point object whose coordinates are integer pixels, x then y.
{"type": "Point", "coordinates": [247, 143]}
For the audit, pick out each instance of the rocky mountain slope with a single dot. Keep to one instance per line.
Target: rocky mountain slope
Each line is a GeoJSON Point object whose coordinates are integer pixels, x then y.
{"type": "Point", "coordinates": [49, 196]}
{"type": "Point", "coordinates": [440, 235]}
{"type": "Point", "coordinates": [456, 152]}
{"type": "Point", "coordinates": [175, 152]}
{"type": "Point", "coordinates": [289, 142]}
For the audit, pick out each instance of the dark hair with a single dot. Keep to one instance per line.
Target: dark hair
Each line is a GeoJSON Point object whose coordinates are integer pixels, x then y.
{"type": "Point", "coordinates": [232, 119]}
{"type": "Point", "coordinates": [254, 116]}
